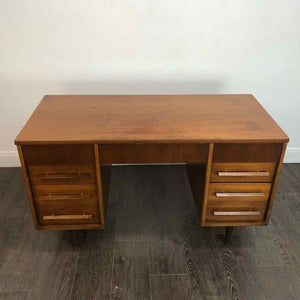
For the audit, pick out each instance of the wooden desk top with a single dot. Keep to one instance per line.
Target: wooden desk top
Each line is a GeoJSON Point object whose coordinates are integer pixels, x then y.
{"type": "Point", "coordinates": [150, 118]}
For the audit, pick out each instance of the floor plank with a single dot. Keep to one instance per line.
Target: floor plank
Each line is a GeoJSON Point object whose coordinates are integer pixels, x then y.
{"type": "Point", "coordinates": [165, 239]}
{"type": "Point", "coordinates": [131, 270]}
{"type": "Point", "coordinates": [170, 287]}
{"type": "Point", "coordinates": [94, 269]}
{"type": "Point", "coordinates": [284, 287]}
{"type": "Point", "coordinates": [128, 216]}
{"type": "Point", "coordinates": [19, 295]}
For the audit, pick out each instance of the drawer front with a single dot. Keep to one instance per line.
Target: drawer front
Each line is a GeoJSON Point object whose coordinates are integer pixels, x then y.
{"type": "Point", "coordinates": [60, 164]}
{"type": "Point", "coordinates": [232, 192]}
{"type": "Point", "coordinates": [59, 154]}
{"type": "Point", "coordinates": [67, 204]}
{"type": "Point", "coordinates": [242, 172]}
{"type": "Point", "coordinates": [62, 174]}
{"type": "Point", "coordinates": [247, 152]}
{"type": "Point", "coordinates": [153, 153]}
{"type": "Point", "coordinates": [235, 211]}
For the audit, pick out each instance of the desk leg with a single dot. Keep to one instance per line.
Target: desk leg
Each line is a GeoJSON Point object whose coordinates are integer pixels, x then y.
{"type": "Point", "coordinates": [105, 177]}
{"type": "Point", "coordinates": [228, 234]}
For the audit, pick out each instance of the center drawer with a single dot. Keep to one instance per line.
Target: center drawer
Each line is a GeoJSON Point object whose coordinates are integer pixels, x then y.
{"type": "Point", "coordinates": [59, 204]}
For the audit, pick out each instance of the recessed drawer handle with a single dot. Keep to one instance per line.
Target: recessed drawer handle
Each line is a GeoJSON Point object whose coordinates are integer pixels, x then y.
{"type": "Point", "coordinates": [240, 194]}
{"type": "Point", "coordinates": [236, 213]}
{"type": "Point", "coordinates": [248, 174]}
{"type": "Point", "coordinates": [62, 176]}
{"type": "Point", "coordinates": [68, 217]}
{"type": "Point", "coordinates": [64, 196]}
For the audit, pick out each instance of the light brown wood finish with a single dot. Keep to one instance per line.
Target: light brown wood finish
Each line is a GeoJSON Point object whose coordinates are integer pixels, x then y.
{"type": "Point", "coordinates": [232, 147]}
{"type": "Point", "coordinates": [62, 174]}
{"type": "Point", "coordinates": [28, 187]}
{"type": "Point", "coordinates": [99, 186]}
{"type": "Point", "coordinates": [237, 212]}
{"type": "Point", "coordinates": [220, 191]}
{"type": "Point", "coordinates": [206, 186]}
{"type": "Point", "coordinates": [86, 202]}
{"type": "Point", "coordinates": [275, 183]}
{"type": "Point", "coordinates": [63, 182]}
{"type": "Point", "coordinates": [150, 119]}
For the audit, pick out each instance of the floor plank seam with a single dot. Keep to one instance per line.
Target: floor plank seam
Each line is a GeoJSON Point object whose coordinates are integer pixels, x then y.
{"type": "Point", "coordinates": [131, 240]}
{"type": "Point", "coordinates": [173, 274]}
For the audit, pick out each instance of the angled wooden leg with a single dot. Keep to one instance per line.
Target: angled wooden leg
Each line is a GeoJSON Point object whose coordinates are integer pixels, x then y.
{"type": "Point", "coordinates": [228, 233]}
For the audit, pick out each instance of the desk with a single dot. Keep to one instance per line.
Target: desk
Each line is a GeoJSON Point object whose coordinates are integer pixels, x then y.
{"type": "Point", "coordinates": [232, 148]}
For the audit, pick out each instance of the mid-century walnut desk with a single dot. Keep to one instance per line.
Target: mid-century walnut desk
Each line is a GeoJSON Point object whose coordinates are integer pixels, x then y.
{"type": "Point", "coordinates": [233, 150]}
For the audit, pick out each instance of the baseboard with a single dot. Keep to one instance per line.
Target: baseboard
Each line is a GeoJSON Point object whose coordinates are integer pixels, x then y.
{"type": "Point", "coordinates": [292, 155]}
{"type": "Point", "coordinates": [11, 158]}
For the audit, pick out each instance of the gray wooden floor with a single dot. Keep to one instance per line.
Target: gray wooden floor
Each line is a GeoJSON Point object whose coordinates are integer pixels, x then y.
{"type": "Point", "coordinates": [153, 247]}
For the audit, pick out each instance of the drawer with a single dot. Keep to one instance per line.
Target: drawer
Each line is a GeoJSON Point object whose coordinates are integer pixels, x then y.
{"type": "Point", "coordinates": [67, 204]}
{"type": "Point", "coordinates": [62, 174]}
{"type": "Point", "coordinates": [247, 152]}
{"type": "Point", "coordinates": [235, 211]}
{"type": "Point", "coordinates": [232, 192]}
{"type": "Point", "coordinates": [59, 154]}
{"type": "Point", "coordinates": [242, 172]}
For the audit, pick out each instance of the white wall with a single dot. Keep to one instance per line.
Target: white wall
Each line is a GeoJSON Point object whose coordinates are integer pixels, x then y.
{"type": "Point", "coordinates": [140, 47]}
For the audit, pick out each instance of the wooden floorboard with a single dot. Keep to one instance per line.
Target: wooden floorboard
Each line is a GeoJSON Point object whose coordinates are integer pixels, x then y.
{"type": "Point", "coordinates": [153, 246]}
{"type": "Point", "coordinates": [170, 287]}
{"type": "Point", "coordinates": [94, 268]}
{"type": "Point", "coordinates": [131, 271]}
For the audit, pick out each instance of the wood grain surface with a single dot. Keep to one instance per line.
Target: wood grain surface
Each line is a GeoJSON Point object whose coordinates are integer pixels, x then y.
{"type": "Point", "coordinates": [149, 118]}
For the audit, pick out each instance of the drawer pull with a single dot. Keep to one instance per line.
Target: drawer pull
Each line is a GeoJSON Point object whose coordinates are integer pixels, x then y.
{"type": "Point", "coordinates": [64, 196]}
{"type": "Point", "coordinates": [248, 174]}
{"type": "Point", "coordinates": [236, 213]}
{"type": "Point", "coordinates": [68, 217]}
{"type": "Point", "coordinates": [62, 176]}
{"type": "Point", "coordinates": [240, 194]}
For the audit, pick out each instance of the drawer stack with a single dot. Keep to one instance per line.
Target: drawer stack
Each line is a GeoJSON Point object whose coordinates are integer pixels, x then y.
{"type": "Point", "coordinates": [63, 184]}
{"type": "Point", "coordinates": [240, 183]}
